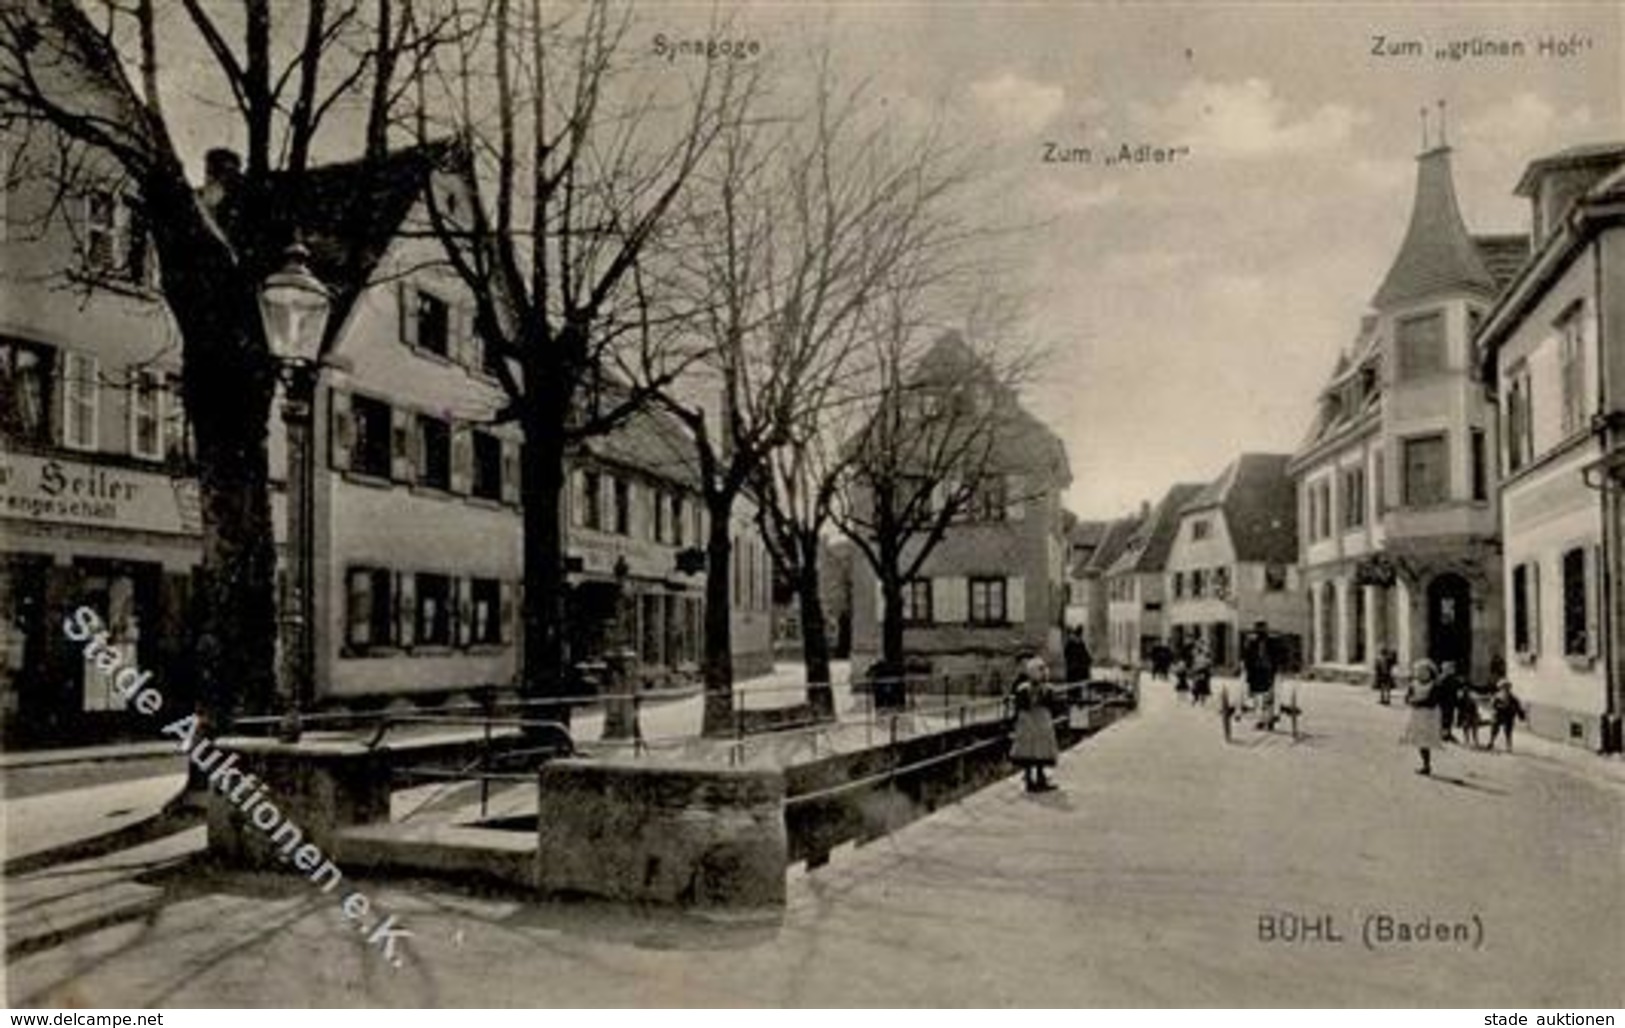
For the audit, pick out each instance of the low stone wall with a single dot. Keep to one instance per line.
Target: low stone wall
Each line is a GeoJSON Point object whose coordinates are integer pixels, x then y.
{"type": "Point", "coordinates": [319, 787]}
{"type": "Point", "coordinates": [693, 836]}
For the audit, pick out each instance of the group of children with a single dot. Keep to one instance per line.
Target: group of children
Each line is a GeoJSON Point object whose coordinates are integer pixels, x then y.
{"type": "Point", "coordinates": [1441, 700]}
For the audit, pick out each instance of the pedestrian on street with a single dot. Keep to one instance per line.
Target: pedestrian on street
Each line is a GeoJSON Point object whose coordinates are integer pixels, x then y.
{"type": "Point", "coordinates": [1447, 696]}
{"type": "Point", "coordinates": [1386, 660]}
{"type": "Point", "coordinates": [1467, 716]}
{"type": "Point", "coordinates": [1423, 729]}
{"type": "Point", "coordinates": [1079, 663]}
{"type": "Point", "coordinates": [1259, 666]}
{"type": "Point", "coordinates": [1504, 710]}
{"type": "Point", "coordinates": [1033, 746]}
{"type": "Point", "coordinates": [1202, 673]}
{"type": "Point", "coordinates": [1162, 658]}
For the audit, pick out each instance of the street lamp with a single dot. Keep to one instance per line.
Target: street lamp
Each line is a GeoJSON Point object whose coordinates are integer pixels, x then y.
{"type": "Point", "coordinates": [294, 306]}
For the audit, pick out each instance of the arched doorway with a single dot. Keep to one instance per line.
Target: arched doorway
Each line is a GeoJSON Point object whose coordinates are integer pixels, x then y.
{"type": "Point", "coordinates": [1450, 621]}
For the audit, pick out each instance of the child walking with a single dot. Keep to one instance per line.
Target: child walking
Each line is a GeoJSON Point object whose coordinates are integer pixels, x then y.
{"type": "Point", "coordinates": [1504, 710]}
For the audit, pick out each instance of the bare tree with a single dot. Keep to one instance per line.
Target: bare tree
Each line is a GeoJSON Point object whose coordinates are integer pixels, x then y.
{"type": "Point", "coordinates": [67, 67]}
{"type": "Point", "coordinates": [580, 163]}
{"type": "Point", "coordinates": [791, 226]}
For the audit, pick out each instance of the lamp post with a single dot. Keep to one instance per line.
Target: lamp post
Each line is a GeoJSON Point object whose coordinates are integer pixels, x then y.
{"type": "Point", "coordinates": [294, 306]}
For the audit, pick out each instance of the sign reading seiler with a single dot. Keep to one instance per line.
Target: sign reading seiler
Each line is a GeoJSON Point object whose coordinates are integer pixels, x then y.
{"type": "Point", "coordinates": [72, 492]}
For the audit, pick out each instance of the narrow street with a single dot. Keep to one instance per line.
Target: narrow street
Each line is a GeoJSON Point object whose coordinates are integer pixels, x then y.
{"type": "Point", "coordinates": [1141, 882]}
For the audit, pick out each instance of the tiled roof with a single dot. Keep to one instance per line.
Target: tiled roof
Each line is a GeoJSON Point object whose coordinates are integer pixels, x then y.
{"type": "Point", "coordinates": [653, 442]}
{"type": "Point", "coordinates": [1113, 541]}
{"type": "Point", "coordinates": [1503, 256]}
{"type": "Point", "coordinates": [1437, 254]}
{"type": "Point", "coordinates": [1261, 509]}
{"type": "Point", "coordinates": [1149, 550]}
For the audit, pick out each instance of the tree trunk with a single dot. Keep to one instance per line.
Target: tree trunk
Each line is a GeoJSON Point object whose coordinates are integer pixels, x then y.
{"type": "Point", "coordinates": [815, 642]}
{"type": "Point", "coordinates": [891, 623]}
{"type": "Point", "coordinates": [546, 656]}
{"type": "Point", "coordinates": [719, 672]}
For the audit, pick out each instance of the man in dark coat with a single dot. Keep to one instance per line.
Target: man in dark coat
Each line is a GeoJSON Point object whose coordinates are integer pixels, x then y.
{"type": "Point", "coordinates": [1259, 665]}
{"type": "Point", "coordinates": [1079, 663]}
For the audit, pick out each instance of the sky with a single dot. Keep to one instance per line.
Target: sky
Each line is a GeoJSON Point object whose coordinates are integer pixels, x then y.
{"type": "Point", "coordinates": [1193, 307]}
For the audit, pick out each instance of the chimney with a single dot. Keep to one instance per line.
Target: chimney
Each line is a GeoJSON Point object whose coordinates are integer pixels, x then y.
{"type": "Point", "coordinates": [222, 172]}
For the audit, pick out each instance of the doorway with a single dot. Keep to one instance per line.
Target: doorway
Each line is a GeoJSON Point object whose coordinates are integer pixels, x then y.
{"type": "Point", "coordinates": [1450, 627]}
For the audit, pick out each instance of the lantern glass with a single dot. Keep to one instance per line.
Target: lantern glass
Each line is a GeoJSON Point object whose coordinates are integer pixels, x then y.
{"type": "Point", "coordinates": [294, 306]}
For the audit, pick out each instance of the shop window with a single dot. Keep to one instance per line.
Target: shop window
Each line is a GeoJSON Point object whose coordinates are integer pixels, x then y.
{"type": "Point", "coordinates": [369, 609]}
{"type": "Point", "coordinates": [372, 449]}
{"type": "Point", "coordinates": [917, 601]}
{"type": "Point", "coordinates": [80, 398]}
{"type": "Point", "coordinates": [434, 610]}
{"type": "Point", "coordinates": [27, 374]}
{"type": "Point", "coordinates": [988, 601]}
{"type": "Point", "coordinates": [146, 414]}
{"type": "Point", "coordinates": [434, 452]}
{"type": "Point", "coordinates": [1427, 471]}
{"type": "Point", "coordinates": [488, 466]}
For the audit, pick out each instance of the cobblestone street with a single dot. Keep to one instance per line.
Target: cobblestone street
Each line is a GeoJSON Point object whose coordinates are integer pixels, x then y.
{"type": "Point", "coordinates": [1141, 882]}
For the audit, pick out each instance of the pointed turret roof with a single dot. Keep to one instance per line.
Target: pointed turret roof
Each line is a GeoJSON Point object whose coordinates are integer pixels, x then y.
{"type": "Point", "coordinates": [1438, 254]}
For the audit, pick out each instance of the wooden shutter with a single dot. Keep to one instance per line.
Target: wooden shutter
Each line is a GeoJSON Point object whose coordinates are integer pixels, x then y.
{"type": "Point", "coordinates": [408, 295]}
{"type": "Point", "coordinates": [1015, 497]}
{"type": "Point", "coordinates": [1015, 600]}
{"type": "Point", "coordinates": [950, 600]}
{"type": "Point", "coordinates": [462, 459]}
{"type": "Point", "coordinates": [505, 615]}
{"type": "Point", "coordinates": [406, 608]}
{"type": "Point", "coordinates": [462, 611]}
{"type": "Point", "coordinates": [401, 464]}
{"type": "Point", "coordinates": [1534, 608]}
{"type": "Point", "coordinates": [341, 430]}
{"type": "Point", "coordinates": [510, 471]}
{"type": "Point", "coordinates": [1593, 601]}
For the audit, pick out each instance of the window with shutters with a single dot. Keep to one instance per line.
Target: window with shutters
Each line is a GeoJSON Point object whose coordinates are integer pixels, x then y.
{"type": "Point", "coordinates": [1179, 585]}
{"type": "Point", "coordinates": [1570, 329]}
{"type": "Point", "coordinates": [1518, 418]}
{"type": "Point", "coordinates": [372, 450]}
{"type": "Point", "coordinates": [1221, 583]}
{"type": "Point", "coordinates": [917, 601]}
{"type": "Point", "coordinates": [434, 452]}
{"type": "Point", "coordinates": [1421, 345]}
{"type": "Point", "coordinates": [988, 602]}
{"type": "Point", "coordinates": [81, 395]}
{"type": "Point", "coordinates": [369, 609]}
{"type": "Point", "coordinates": [1576, 604]}
{"type": "Point", "coordinates": [487, 466]}
{"type": "Point", "coordinates": [990, 499]}
{"type": "Point", "coordinates": [433, 323]}
{"type": "Point", "coordinates": [113, 238]}
{"type": "Point", "coordinates": [621, 509]}
{"type": "Point", "coordinates": [1480, 468]}
{"type": "Point", "coordinates": [27, 382]}
{"type": "Point", "coordinates": [1198, 584]}
{"type": "Point", "coordinates": [434, 610]}
{"type": "Point", "coordinates": [1525, 610]}
{"type": "Point", "coordinates": [1427, 471]}
{"type": "Point", "coordinates": [1353, 498]}
{"type": "Point", "coordinates": [146, 398]}
{"type": "Point", "coordinates": [485, 603]}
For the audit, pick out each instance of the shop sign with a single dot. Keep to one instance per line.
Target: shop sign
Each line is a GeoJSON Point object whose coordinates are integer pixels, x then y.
{"type": "Point", "coordinates": [60, 491]}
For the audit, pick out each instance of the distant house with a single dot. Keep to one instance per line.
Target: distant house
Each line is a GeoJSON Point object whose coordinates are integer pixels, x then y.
{"type": "Point", "coordinates": [994, 586]}
{"type": "Point", "coordinates": [1086, 582]}
{"type": "Point", "coordinates": [1082, 540]}
{"type": "Point", "coordinates": [1136, 593]}
{"type": "Point", "coordinates": [1234, 561]}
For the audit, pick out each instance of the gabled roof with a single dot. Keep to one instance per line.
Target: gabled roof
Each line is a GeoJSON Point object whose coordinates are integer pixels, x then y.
{"type": "Point", "coordinates": [1260, 507]}
{"type": "Point", "coordinates": [1148, 551]}
{"type": "Point", "coordinates": [1437, 254]}
{"type": "Point", "coordinates": [1575, 156]}
{"type": "Point", "coordinates": [1085, 535]}
{"type": "Point", "coordinates": [1113, 541]}
{"type": "Point", "coordinates": [653, 442]}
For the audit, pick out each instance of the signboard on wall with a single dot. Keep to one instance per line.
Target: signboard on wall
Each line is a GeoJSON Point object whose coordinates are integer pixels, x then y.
{"type": "Point", "coordinates": [57, 490]}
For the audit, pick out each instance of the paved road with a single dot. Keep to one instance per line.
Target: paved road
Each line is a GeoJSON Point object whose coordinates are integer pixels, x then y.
{"type": "Point", "coordinates": [1142, 882]}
